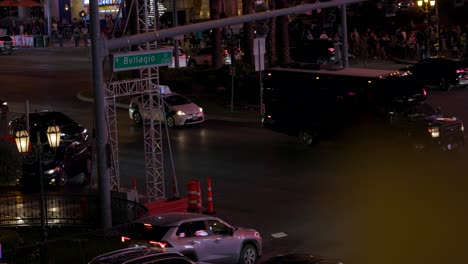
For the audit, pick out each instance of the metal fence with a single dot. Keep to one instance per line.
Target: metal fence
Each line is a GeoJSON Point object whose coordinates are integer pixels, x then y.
{"type": "Point", "coordinates": [65, 210]}
{"type": "Point", "coordinates": [72, 224]}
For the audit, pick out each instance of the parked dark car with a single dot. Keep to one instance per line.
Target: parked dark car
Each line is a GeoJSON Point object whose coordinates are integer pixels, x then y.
{"type": "Point", "coordinates": [3, 108]}
{"type": "Point", "coordinates": [139, 254]}
{"type": "Point", "coordinates": [70, 130]}
{"type": "Point", "coordinates": [58, 166]}
{"type": "Point", "coordinates": [426, 127]}
{"type": "Point", "coordinates": [7, 44]}
{"type": "Point", "coordinates": [301, 259]}
{"type": "Point", "coordinates": [443, 73]}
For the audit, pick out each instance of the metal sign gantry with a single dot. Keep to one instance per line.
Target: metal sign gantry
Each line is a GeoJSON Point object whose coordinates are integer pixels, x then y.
{"type": "Point", "coordinates": [147, 87]}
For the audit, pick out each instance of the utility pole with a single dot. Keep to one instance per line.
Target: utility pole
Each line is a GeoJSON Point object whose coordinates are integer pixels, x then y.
{"type": "Point", "coordinates": [175, 39]}
{"type": "Point", "coordinates": [98, 54]}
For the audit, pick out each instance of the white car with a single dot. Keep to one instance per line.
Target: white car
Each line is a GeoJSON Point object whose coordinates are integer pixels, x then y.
{"type": "Point", "coordinates": [177, 110]}
{"type": "Point", "coordinates": [201, 238]}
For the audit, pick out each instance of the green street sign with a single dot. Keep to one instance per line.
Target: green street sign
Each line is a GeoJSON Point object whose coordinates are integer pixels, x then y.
{"type": "Point", "coordinates": [142, 59]}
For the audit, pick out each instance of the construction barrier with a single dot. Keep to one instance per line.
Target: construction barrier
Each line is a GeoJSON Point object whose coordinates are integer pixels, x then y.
{"type": "Point", "coordinates": [193, 196]}
{"type": "Point", "coordinates": [166, 206]}
{"type": "Point", "coordinates": [209, 199]}
{"type": "Point", "coordinates": [199, 202]}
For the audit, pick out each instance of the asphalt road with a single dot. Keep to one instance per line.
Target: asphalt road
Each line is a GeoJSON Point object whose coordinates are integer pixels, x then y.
{"type": "Point", "coordinates": [360, 198]}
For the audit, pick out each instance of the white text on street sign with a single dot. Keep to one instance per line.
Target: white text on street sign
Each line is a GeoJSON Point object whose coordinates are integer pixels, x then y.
{"type": "Point", "coordinates": [142, 59]}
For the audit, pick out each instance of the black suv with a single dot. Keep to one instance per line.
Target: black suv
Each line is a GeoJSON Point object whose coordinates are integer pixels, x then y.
{"type": "Point", "coordinates": [443, 73]}
{"type": "Point", "coordinates": [70, 130]}
{"type": "Point", "coordinates": [426, 127]}
{"type": "Point", "coordinates": [3, 108]}
{"type": "Point", "coordinates": [7, 44]}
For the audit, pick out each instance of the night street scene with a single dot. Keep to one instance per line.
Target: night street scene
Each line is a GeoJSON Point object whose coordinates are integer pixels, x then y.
{"type": "Point", "coordinates": [233, 132]}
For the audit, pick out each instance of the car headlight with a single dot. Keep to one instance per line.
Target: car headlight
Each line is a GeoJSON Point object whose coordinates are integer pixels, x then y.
{"type": "Point", "coordinates": [180, 113]}
{"type": "Point", "coordinates": [200, 109]}
{"type": "Point", "coordinates": [462, 128]}
{"type": "Point", "coordinates": [51, 171]}
{"type": "Point", "coordinates": [434, 131]}
{"type": "Point", "coordinates": [4, 103]}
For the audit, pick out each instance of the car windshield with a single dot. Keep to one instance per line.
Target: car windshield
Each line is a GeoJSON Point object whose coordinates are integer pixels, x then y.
{"type": "Point", "coordinates": [175, 99]}
{"type": "Point", "coordinates": [5, 38]}
{"type": "Point", "coordinates": [422, 109]}
{"type": "Point", "coordinates": [57, 117]}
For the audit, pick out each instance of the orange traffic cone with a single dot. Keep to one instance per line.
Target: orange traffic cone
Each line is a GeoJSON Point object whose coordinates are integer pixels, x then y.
{"type": "Point", "coordinates": [209, 202]}
{"type": "Point", "coordinates": [193, 196]}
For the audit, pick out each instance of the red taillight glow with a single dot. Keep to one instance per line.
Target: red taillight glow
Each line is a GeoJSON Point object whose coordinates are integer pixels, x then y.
{"type": "Point", "coordinates": [124, 238]}
{"type": "Point", "coordinates": [331, 49]}
{"type": "Point", "coordinates": [424, 92]}
{"type": "Point", "coordinates": [161, 244]}
{"type": "Point", "coordinates": [158, 244]}
{"type": "Point", "coordinates": [148, 226]}
{"type": "Point", "coordinates": [460, 70]}
{"type": "Point", "coordinates": [351, 93]}
{"type": "Point", "coordinates": [1, 41]}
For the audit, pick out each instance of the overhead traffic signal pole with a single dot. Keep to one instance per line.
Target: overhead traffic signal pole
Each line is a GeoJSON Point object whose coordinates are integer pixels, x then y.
{"type": "Point", "coordinates": [102, 47]}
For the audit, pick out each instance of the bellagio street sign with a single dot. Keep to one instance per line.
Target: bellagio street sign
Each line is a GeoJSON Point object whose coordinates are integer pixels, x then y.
{"type": "Point", "coordinates": [142, 59]}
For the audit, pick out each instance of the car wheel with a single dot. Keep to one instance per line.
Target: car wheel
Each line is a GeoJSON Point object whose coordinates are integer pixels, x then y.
{"type": "Point", "coordinates": [170, 122]}
{"type": "Point", "coordinates": [444, 85]}
{"type": "Point", "coordinates": [249, 255]}
{"type": "Point", "coordinates": [137, 118]}
{"type": "Point", "coordinates": [192, 64]}
{"type": "Point", "coordinates": [308, 137]}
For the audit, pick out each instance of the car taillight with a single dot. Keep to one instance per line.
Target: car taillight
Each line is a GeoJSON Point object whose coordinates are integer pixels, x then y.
{"type": "Point", "coordinates": [460, 71]}
{"type": "Point", "coordinates": [124, 238]}
{"type": "Point", "coordinates": [424, 92]}
{"type": "Point", "coordinates": [331, 49]}
{"type": "Point", "coordinates": [226, 52]}
{"type": "Point", "coordinates": [1, 41]}
{"type": "Point", "coordinates": [161, 244]}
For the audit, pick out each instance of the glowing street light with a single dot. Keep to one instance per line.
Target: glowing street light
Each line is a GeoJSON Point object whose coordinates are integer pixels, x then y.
{"type": "Point", "coordinates": [426, 6]}
{"type": "Point", "coordinates": [22, 143]}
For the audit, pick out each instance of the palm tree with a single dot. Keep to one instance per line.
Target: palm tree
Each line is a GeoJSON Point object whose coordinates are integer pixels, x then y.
{"type": "Point", "coordinates": [271, 55]}
{"type": "Point", "coordinates": [248, 8]}
{"type": "Point", "coordinates": [216, 35]}
{"type": "Point", "coordinates": [282, 35]}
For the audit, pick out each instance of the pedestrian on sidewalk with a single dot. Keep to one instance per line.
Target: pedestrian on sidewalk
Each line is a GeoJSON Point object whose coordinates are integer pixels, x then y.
{"type": "Point", "coordinates": [60, 36]}
{"type": "Point", "coordinates": [84, 35]}
{"type": "Point", "coordinates": [76, 35]}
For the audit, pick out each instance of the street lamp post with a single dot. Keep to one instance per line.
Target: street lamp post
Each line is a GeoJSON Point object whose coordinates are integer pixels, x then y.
{"type": "Point", "coordinates": [22, 143]}
{"type": "Point", "coordinates": [426, 6]}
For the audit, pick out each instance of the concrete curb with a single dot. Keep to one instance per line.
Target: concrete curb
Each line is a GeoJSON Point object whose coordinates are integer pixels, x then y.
{"type": "Point", "coordinates": [83, 98]}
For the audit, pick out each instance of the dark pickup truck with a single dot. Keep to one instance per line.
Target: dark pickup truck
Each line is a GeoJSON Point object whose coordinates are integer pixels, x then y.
{"type": "Point", "coordinates": [426, 127]}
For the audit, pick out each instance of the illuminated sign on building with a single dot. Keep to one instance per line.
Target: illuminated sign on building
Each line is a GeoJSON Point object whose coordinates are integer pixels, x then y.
{"type": "Point", "coordinates": [105, 2]}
